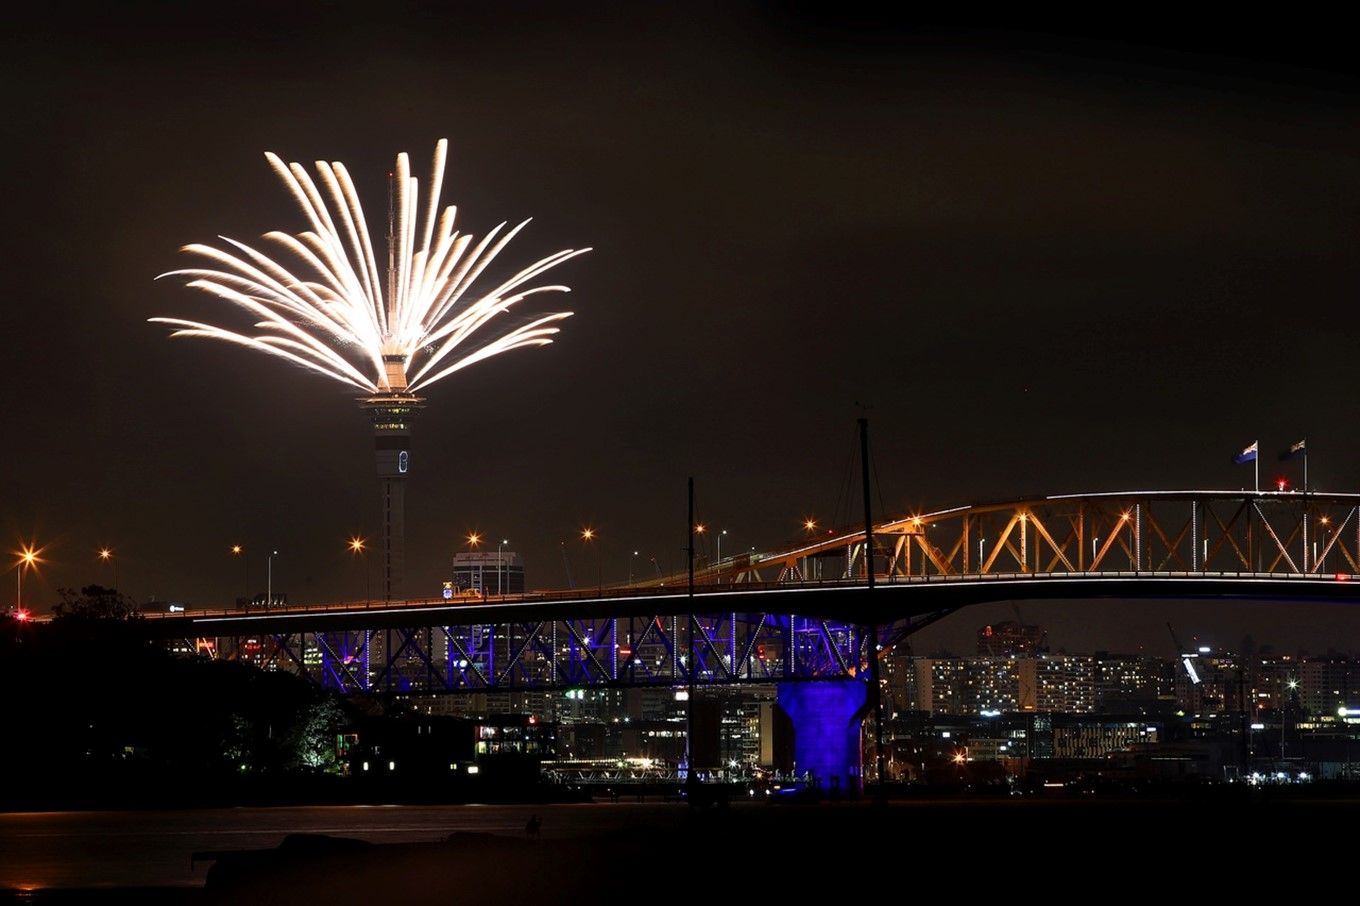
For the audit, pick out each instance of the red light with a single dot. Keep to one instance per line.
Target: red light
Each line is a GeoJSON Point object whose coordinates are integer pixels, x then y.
{"type": "Point", "coordinates": [1342, 577]}
{"type": "Point", "coordinates": [1281, 484]}
{"type": "Point", "coordinates": [21, 616]}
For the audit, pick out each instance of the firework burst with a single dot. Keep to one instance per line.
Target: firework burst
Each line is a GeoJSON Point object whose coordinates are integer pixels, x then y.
{"type": "Point", "coordinates": [330, 310]}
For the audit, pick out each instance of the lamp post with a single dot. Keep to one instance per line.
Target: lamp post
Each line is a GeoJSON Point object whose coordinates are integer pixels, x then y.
{"type": "Point", "coordinates": [106, 557]}
{"type": "Point", "coordinates": [719, 537]}
{"type": "Point", "coordinates": [269, 580]}
{"type": "Point", "coordinates": [28, 559]}
{"type": "Point", "coordinates": [632, 563]}
{"type": "Point", "coordinates": [357, 547]}
{"type": "Point", "coordinates": [589, 536]}
{"type": "Point", "coordinates": [982, 546]}
{"type": "Point", "coordinates": [239, 551]}
{"type": "Point", "coordinates": [500, 572]}
{"type": "Point", "coordinates": [474, 539]}
{"type": "Point", "coordinates": [1324, 521]}
{"type": "Point", "coordinates": [1095, 543]}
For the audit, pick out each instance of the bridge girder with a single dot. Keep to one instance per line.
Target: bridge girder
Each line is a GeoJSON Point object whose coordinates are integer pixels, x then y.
{"type": "Point", "coordinates": [1178, 545]}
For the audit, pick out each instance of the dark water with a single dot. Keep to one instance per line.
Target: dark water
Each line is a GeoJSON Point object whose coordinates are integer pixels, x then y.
{"type": "Point", "coordinates": [1135, 840]}
{"type": "Point", "coordinates": [154, 848]}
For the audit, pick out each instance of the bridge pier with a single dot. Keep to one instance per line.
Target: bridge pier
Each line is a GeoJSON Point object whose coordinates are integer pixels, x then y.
{"type": "Point", "coordinates": [826, 719]}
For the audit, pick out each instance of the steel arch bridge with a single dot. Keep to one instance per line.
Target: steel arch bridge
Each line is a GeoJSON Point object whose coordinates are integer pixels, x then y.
{"type": "Point", "coordinates": [805, 612]}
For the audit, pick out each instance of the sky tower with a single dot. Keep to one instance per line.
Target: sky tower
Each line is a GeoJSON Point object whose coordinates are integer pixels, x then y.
{"type": "Point", "coordinates": [392, 410]}
{"type": "Point", "coordinates": [324, 307]}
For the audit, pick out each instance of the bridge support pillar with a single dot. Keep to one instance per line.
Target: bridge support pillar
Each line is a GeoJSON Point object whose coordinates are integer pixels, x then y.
{"type": "Point", "coordinates": [826, 719]}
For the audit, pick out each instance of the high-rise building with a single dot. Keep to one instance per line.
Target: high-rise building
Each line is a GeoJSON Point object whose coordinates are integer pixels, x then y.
{"type": "Point", "coordinates": [973, 685]}
{"type": "Point", "coordinates": [1129, 684]}
{"type": "Point", "coordinates": [1328, 683]}
{"type": "Point", "coordinates": [1065, 683]}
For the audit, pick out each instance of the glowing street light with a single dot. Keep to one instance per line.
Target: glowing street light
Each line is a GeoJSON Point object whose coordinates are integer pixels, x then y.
{"type": "Point", "coordinates": [269, 581]}
{"type": "Point", "coordinates": [106, 557]}
{"type": "Point", "coordinates": [500, 573]}
{"type": "Point", "coordinates": [810, 524]}
{"type": "Point", "coordinates": [719, 537]}
{"type": "Point", "coordinates": [474, 539]}
{"type": "Point", "coordinates": [588, 535]}
{"type": "Point", "coordinates": [358, 546]}
{"type": "Point", "coordinates": [29, 558]}
{"type": "Point", "coordinates": [239, 551]}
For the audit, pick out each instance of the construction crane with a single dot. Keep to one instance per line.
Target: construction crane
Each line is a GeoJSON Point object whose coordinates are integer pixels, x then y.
{"type": "Point", "coordinates": [1186, 659]}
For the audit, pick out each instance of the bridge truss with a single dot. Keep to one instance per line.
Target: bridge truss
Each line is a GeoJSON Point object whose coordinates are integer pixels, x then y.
{"type": "Point", "coordinates": [1271, 533]}
{"type": "Point", "coordinates": [804, 613]}
{"type": "Point", "coordinates": [566, 652]}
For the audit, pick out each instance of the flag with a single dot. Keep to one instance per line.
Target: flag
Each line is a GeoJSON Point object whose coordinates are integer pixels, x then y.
{"type": "Point", "coordinates": [1297, 449]}
{"type": "Point", "coordinates": [1247, 455]}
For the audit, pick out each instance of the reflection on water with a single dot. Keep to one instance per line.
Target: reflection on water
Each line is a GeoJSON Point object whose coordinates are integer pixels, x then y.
{"type": "Point", "coordinates": [154, 848]}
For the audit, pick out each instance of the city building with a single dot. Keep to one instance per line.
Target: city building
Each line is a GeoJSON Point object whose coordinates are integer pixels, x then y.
{"type": "Point", "coordinates": [995, 684]}
{"type": "Point", "coordinates": [491, 572]}
{"type": "Point", "coordinates": [1127, 684]}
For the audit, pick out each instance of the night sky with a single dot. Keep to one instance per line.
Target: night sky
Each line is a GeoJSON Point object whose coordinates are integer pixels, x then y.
{"type": "Point", "coordinates": [1040, 262]}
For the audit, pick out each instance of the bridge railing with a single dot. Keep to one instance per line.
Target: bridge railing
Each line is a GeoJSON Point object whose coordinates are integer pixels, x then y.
{"type": "Point", "coordinates": [711, 589]}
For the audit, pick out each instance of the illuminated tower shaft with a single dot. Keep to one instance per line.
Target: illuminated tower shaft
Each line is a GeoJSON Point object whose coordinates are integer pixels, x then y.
{"type": "Point", "coordinates": [392, 411]}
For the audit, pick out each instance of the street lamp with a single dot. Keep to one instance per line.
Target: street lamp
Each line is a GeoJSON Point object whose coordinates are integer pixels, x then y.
{"type": "Point", "coordinates": [719, 537]}
{"type": "Point", "coordinates": [106, 556]}
{"type": "Point", "coordinates": [588, 535]}
{"type": "Point", "coordinates": [357, 546]}
{"type": "Point", "coordinates": [1325, 547]}
{"type": "Point", "coordinates": [28, 559]}
{"type": "Point", "coordinates": [474, 540]}
{"type": "Point", "coordinates": [269, 581]}
{"type": "Point", "coordinates": [239, 551]}
{"type": "Point", "coordinates": [982, 546]}
{"type": "Point", "coordinates": [632, 563]}
{"type": "Point", "coordinates": [1095, 542]}
{"type": "Point", "coordinates": [500, 576]}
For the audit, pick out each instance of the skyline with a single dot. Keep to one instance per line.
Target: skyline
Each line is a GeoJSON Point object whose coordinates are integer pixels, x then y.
{"type": "Point", "coordinates": [1040, 265]}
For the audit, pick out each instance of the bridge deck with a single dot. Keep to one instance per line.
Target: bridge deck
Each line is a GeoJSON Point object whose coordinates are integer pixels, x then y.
{"type": "Point", "coordinates": [895, 598]}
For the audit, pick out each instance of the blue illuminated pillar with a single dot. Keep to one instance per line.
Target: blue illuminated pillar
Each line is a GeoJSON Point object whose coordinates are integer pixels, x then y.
{"type": "Point", "coordinates": [826, 720]}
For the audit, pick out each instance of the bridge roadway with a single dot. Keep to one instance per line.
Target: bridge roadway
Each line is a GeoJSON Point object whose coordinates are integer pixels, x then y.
{"type": "Point", "coordinates": [895, 599]}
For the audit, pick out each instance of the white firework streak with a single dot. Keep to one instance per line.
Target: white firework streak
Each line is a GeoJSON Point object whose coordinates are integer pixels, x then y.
{"type": "Point", "coordinates": [339, 318]}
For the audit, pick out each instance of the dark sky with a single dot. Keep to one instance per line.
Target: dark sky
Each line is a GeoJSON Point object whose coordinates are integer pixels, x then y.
{"type": "Point", "coordinates": [1047, 261]}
